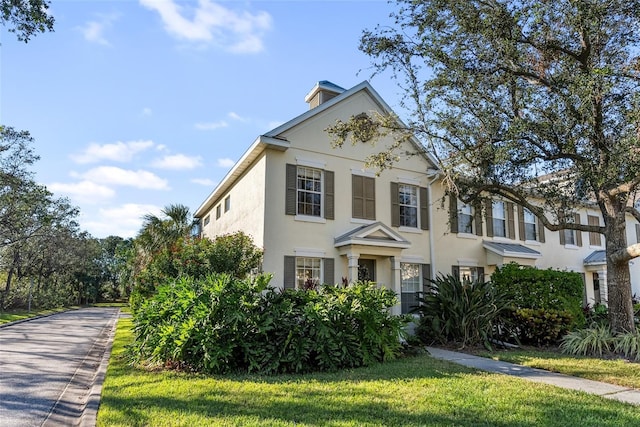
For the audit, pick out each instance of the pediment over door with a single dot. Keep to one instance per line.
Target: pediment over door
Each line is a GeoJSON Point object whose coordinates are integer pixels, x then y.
{"type": "Point", "coordinates": [376, 234]}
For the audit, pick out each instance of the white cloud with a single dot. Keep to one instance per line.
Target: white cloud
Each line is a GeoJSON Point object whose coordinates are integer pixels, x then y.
{"type": "Point", "coordinates": [146, 111]}
{"type": "Point", "coordinates": [118, 176]}
{"type": "Point", "coordinates": [212, 23]}
{"type": "Point", "coordinates": [118, 151]}
{"type": "Point", "coordinates": [237, 117]}
{"type": "Point", "coordinates": [204, 181]}
{"type": "Point", "coordinates": [178, 162]}
{"type": "Point", "coordinates": [124, 221]}
{"type": "Point", "coordinates": [212, 125]}
{"type": "Point", "coordinates": [225, 163]}
{"type": "Point", "coordinates": [83, 191]}
{"type": "Point", "coordinates": [93, 31]}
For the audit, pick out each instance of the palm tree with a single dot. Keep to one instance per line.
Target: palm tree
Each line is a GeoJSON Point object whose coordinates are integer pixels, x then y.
{"type": "Point", "coordinates": [158, 233]}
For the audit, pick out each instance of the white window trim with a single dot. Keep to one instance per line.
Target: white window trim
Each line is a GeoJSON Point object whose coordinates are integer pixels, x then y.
{"type": "Point", "coordinates": [414, 230]}
{"type": "Point", "coordinates": [532, 242]}
{"type": "Point", "coordinates": [412, 259]}
{"type": "Point", "coordinates": [467, 262]}
{"type": "Point", "coordinates": [409, 181]}
{"type": "Point", "coordinates": [467, 236]}
{"type": "Point", "coordinates": [309, 253]}
{"type": "Point", "coordinates": [363, 172]}
{"type": "Point", "coordinates": [309, 218]}
{"type": "Point", "coordinates": [317, 164]}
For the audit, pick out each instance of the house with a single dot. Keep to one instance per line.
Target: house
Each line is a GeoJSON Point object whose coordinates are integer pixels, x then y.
{"type": "Point", "coordinates": [317, 213]}
{"type": "Point", "coordinates": [321, 217]}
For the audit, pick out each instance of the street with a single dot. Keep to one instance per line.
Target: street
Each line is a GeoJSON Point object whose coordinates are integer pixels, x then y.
{"type": "Point", "coordinates": [48, 367]}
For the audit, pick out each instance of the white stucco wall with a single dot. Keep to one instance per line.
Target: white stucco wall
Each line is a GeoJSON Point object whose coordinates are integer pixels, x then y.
{"type": "Point", "coordinates": [247, 208]}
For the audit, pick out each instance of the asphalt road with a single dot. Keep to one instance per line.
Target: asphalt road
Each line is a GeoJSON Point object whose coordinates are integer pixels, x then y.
{"type": "Point", "coordinates": [48, 367]}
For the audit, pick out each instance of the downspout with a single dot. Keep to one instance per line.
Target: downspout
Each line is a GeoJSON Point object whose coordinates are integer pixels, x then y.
{"type": "Point", "coordinates": [435, 174]}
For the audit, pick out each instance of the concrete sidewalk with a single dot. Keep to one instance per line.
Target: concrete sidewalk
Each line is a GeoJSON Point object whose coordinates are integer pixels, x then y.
{"type": "Point", "coordinates": [609, 391]}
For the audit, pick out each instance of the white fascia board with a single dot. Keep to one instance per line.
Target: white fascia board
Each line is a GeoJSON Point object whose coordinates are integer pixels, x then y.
{"type": "Point", "coordinates": [373, 242]}
{"type": "Point", "coordinates": [259, 145]}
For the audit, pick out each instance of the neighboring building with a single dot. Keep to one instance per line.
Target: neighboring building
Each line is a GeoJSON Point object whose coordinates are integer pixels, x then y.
{"type": "Point", "coordinates": [321, 218]}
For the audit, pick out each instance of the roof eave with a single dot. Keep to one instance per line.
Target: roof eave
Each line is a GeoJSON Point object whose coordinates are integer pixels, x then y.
{"type": "Point", "coordinates": [259, 145]}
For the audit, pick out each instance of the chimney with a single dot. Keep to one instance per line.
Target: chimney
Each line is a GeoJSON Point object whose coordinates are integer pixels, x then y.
{"type": "Point", "coordinates": [322, 92]}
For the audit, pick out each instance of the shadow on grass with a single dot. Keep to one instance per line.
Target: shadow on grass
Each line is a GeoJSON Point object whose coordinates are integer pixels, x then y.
{"type": "Point", "coordinates": [408, 392]}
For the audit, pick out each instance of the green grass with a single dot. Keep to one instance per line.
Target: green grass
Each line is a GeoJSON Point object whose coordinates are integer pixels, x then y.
{"type": "Point", "coordinates": [613, 371]}
{"type": "Point", "coordinates": [416, 391]}
{"type": "Point", "coordinates": [13, 315]}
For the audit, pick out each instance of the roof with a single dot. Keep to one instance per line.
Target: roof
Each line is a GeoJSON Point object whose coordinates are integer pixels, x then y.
{"type": "Point", "coordinates": [375, 234]}
{"type": "Point", "coordinates": [514, 250]}
{"type": "Point", "coordinates": [596, 258]}
{"type": "Point", "coordinates": [272, 139]}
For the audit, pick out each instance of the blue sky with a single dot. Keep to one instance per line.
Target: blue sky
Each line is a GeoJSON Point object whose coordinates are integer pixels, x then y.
{"type": "Point", "coordinates": [135, 105]}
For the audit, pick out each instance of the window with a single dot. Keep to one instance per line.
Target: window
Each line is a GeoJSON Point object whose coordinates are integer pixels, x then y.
{"type": "Point", "coordinates": [530, 225]}
{"type": "Point", "coordinates": [218, 211]}
{"type": "Point", "coordinates": [206, 220]}
{"type": "Point", "coordinates": [227, 203]}
{"type": "Point", "coordinates": [465, 219]}
{"type": "Point", "coordinates": [570, 237]}
{"type": "Point", "coordinates": [309, 192]}
{"type": "Point", "coordinates": [363, 189]}
{"type": "Point", "coordinates": [468, 273]}
{"type": "Point", "coordinates": [308, 272]}
{"type": "Point", "coordinates": [499, 219]}
{"type": "Point", "coordinates": [595, 239]}
{"type": "Point", "coordinates": [410, 280]}
{"type": "Point", "coordinates": [408, 200]}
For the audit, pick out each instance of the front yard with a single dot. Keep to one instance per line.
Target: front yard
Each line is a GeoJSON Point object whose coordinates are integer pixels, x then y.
{"type": "Point", "coordinates": [415, 391]}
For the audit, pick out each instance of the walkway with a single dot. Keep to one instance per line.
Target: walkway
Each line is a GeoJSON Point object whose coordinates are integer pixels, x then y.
{"type": "Point", "coordinates": [609, 391]}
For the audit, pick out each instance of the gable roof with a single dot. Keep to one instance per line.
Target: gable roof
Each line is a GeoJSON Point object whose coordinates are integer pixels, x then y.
{"type": "Point", "coordinates": [273, 139]}
{"type": "Point", "coordinates": [376, 234]}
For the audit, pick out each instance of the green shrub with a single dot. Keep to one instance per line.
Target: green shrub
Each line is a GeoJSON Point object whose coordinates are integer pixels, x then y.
{"type": "Point", "coordinates": [595, 341]}
{"type": "Point", "coordinates": [459, 311]}
{"type": "Point", "coordinates": [628, 344]}
{"type": "Point", "coordinates": [221, 324]}
{"type": "Point", "coordinates": [539, 326]}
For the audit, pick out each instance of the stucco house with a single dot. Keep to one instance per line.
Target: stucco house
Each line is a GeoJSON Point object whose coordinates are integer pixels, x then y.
{"type": "Point", "coordinates": [322, 218]}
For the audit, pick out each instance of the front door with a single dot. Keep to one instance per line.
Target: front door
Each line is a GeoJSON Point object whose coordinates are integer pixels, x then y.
{"type": "Point", "coordinates": [366, 270]}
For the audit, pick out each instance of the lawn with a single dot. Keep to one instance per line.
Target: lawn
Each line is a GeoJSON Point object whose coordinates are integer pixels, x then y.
{"type": "Point", "coordinates": [13, 315]}
{"type": "Point", "coordinates": [415, 391]}
{"type": "Point", "coordinates": [614, 371]}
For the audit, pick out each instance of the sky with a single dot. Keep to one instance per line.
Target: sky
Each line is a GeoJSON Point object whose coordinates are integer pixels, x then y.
{"type": "Point", "coordinates": [137, 105]}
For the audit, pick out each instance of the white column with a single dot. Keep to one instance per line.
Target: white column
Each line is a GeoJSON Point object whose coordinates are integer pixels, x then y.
{"type": "Point", "coordinates": [353, 268]}
{"type": "Point", "coordinates": [396, 283]}
{"type": "Point", "coordinates": [604, 289]}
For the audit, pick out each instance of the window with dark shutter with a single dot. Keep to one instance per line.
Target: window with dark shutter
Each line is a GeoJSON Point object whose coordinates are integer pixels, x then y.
{"type": "Point", "coordinates": [363, 197]}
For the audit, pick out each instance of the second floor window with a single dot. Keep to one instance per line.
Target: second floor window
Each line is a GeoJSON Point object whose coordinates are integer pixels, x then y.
{"type": "Point", "coordinates": [309, 191]}
{"type": "Point", "coordinates": [498, 213]}
{"type": "Point", "coordinates": [408, 199]}
{"type": "Point", "coordinates": [530, 225]}
{"type": "Point", "coordinates": [465, 219]}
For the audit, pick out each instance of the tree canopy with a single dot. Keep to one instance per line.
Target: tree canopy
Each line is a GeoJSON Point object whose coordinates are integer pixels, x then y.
{"type": "Point", "coordinates": [534, 102]}
{"type": "Point", "coordinates": [25, 18]}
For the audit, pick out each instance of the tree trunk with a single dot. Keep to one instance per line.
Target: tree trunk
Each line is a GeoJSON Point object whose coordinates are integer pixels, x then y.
{"type": "Point", "coordinates": [618, 278]}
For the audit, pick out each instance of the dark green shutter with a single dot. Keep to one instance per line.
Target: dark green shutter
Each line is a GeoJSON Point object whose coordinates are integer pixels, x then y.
{"type": "Point", "coordinates": [453, 213]}
{"type": "Point", "coordinates": [292, 187]}
{"type": "Point", "coordinates": [328, 265]}
{"type": "Point", "coordinates": [426, 277]}
{"type": "Point", "coordinates": [489, 216]}
{"type": "Point", "coordinates": [521, 230]}
{"type": "Point", "coordinates": [480, 274]}
{"type": "Point", "coordinates": [455, 271]}
{"type": "Point", "coordinates": [357, 199]}
{"type": "Point", "coordinates": [477, 219]}
{"type": "Point", "coordinates": [540, 231]}
{"type": "Point", "coordinates": [369, 189]}
{"type": "Point", "coordinates": [578, 232]}
{"type": "Point", "coordinates": [364, 197]}
{"type": "Point", "coordinates": [511, 227]}
{"type": "Point", "coordinates": [395, 205]}
{"type": "Point", "coordinates": [289, 272]}
{"type": "Point", "coordinates": [424, 208]}
{"type": "Point", "coordinates": [329, 200]}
